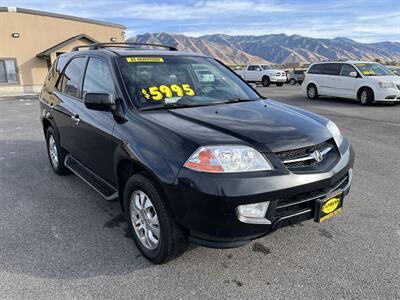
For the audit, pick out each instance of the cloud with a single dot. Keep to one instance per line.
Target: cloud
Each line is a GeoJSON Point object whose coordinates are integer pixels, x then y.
{"type": "Point", "coordinates": [363, 20]}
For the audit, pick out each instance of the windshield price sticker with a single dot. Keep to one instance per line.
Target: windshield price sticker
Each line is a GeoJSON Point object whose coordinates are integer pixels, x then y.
{"type": "Point", "coordinates": [157, 93]}
{"type": "Point", "coordinates": [145, 59]}
{"type": "Point", "coordinates": [368, 72]}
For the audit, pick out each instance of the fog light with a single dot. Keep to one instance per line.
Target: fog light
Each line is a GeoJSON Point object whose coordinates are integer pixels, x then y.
{"type": "Point", "coordinates": [253, 213]}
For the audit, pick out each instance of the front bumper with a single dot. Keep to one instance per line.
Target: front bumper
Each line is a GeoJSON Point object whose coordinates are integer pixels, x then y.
{"type": "Point", "coordinates": [205, 203]}
{"type": "Point", "coordinates": [387, 95]}
{"type": "Point", "coordinates": [278, 78]}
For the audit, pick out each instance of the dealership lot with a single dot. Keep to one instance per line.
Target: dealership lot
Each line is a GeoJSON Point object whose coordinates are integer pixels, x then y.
{"type": "Point", "coordinates": [59, 238]}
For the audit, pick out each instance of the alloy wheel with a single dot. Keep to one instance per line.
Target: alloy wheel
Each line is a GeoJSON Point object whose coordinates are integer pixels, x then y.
{"type": "Point", "coordinates": [144, 220]}
{"type": "Point", "coordinates": [53, 151]}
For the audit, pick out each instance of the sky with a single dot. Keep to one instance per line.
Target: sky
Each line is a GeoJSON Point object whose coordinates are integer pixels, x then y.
{"type": "Point", "coordinates": [361, 20]}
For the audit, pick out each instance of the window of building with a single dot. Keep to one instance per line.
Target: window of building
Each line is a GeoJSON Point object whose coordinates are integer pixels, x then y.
{"type": "Point", "coordinates": [71, 77]}
{"type": "Point", "coordinates": [8, 71]}
{"type": "Point", "coordinates": [98, 78]}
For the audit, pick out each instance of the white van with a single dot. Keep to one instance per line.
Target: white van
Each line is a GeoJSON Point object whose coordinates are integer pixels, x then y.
{"type": "Point", "coordinates": [364, 81]}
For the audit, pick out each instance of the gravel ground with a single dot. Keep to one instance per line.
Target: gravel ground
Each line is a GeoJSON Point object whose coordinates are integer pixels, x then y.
{"type": "Point", "coordinates": [60, 239]}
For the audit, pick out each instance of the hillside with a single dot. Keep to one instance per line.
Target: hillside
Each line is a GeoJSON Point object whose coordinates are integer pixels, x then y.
{"type": "Point", "coordinates": [276, 48]}
{"type": "Point", "coordinates": [224, 53]}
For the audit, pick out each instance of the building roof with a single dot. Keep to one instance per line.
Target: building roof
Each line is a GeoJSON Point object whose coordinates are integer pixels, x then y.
{"type": "Point", "coordinates": [46, 53]}
{"type": "Point", "coordinates": [60, 16]}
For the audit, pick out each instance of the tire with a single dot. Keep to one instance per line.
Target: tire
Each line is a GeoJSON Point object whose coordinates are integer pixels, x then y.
{"type": "Point", "coordinates": [292, 81]}
{"type": "Point", "coordinates": [55, 153]}
{"type": "Point", "coordinates": [153, 227]}
{"type": "Point", "coordinates": [279, 84]}
{"type": "Point", "coordinates": [265, 81]}
{"type": "Point", "coordinates": [366, 96]}
{"type": "Point", "coordinates": [312, 92]}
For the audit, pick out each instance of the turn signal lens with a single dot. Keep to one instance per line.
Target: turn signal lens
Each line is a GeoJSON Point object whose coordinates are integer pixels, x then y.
{"type": "Point", "coordinates": [227, 159]}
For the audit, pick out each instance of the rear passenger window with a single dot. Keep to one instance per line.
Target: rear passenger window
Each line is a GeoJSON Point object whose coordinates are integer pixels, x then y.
{"type": "Point", "coordinates": [71, 77]}
{"type": "Point", "coordinates": [315, 69]}
{"type": "Point", "coordinates": [331, 69]}
{"type": "Point", "coordinates": [98, 77]}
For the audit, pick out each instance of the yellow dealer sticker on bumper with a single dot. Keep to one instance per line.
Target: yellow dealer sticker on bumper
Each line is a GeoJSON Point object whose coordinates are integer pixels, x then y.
{"type": "Point", "coordinates": [145, 59]}
{"type": "Point", "coordinates": [328, 207]}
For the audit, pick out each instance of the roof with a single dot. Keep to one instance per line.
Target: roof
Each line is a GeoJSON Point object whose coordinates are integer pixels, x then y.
{"type": "Point", "coordinates": [46, 53]}
{"type": "Point", "coordinates": [138, 52]}
{"type": "Point", "coordinates": [59, 16]}
{"type": "Point", "coordinates": [144, 52]}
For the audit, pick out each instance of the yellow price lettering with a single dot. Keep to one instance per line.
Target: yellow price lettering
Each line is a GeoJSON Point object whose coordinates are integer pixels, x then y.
{"type": "Point", "coordinates": [166, 91]}
{"type": "Point", "coordinates": [155, 93]}
{"type": "Point", "coordinates": [145, 94]}
{"type": "Point", "coordinates": [177, 89]}
{"type": "Point", "coordinates": [188, 90]}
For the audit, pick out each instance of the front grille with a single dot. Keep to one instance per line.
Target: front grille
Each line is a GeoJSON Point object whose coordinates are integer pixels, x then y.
{"type": "Point", "coordinates": [311, 164]}
{"type": "Point", "coordinates": [304, 201]}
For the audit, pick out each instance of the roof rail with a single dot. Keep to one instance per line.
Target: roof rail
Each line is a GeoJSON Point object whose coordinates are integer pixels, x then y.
{"type": "Point", "coordinates": [79, 47]}
{"type": "Point", "coordinates": [97, 46]}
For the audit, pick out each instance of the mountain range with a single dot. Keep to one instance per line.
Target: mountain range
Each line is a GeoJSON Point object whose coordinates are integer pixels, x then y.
{"type": "Point", "coordinates": [275, 48]}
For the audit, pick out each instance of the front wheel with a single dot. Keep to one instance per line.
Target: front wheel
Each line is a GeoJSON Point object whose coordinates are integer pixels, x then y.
{"type": "Point", "coordinates": [154, 230]}
{"type": "Point", "coordinates": [366, 96]}
{"type": "Point", "coordinates": [265, 81]}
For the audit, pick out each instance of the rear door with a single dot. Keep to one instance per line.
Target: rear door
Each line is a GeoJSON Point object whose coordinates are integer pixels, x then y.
{"type": "Point", "coordinates": [66, 104]}
{"type": "Point", "coordinates": [330, 79]}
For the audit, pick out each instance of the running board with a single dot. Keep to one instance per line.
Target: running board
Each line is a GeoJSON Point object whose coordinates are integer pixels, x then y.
{"type": "Point", "coordinates": [97, 183]}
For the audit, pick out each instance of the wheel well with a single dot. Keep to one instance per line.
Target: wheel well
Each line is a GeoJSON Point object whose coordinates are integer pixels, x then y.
{"type": "Point", "coordinates": [46, 125]}
{"type": "Point", "coordinates": [310, 84]}
{"type": "Point", "coordinates": [265, 76]}
{"type": "Point", "coordinates": [126, 168]}
{"type": "Point", "coordinates": [362, 88]}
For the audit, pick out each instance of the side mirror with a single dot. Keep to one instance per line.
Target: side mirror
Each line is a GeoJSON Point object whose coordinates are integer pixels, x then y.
{"type": "Point", "coordinates": [353, 74]}
{"type": "Point", "coordinates": [99, 101]}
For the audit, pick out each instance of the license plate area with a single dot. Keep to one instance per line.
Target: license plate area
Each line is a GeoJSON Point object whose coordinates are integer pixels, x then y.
{"type": "Point", "coordinates": [328, 207]}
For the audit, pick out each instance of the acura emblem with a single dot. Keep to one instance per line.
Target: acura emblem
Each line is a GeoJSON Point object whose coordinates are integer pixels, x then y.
{"type": "Point", "coordinates": [317, 156]}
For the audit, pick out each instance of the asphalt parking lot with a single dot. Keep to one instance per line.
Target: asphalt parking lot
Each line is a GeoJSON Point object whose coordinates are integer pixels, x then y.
{"type": "Point", "coordinates": [60, 239]}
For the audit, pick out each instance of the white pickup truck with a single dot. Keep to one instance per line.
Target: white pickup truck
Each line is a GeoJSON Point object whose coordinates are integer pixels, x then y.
{"type": "Point", "coordinates": [266, 74]}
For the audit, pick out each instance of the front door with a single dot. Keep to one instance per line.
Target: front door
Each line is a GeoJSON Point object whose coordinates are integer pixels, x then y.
{"type": "Point", "coordinates": [347, 86]}
{"type": "Point", "coordinates": [96, 141]}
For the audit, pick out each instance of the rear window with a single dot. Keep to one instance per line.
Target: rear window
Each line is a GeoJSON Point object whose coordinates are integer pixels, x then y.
{"type": "Point", "coordinates": [315, 69]}
{"type": "Point", "coordinates": [71, 77]}
{"type": "Point", "coordinates": [331, 69]}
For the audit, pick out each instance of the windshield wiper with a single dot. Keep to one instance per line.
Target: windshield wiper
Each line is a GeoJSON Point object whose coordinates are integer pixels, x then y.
{"type": "Point", "coordinates": [236, 100]}
{"type": "Point", "coordinates": [170, 105]}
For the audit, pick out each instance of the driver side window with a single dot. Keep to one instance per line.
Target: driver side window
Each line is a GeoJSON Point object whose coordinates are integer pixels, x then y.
{"type": "Point", "coordinates": [98, 78]}
{"type": "Point", "coordinates": [346, 70]}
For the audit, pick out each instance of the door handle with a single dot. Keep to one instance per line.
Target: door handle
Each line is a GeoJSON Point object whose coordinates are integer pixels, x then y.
{"type": "Point", "coordinates": [76, 119]}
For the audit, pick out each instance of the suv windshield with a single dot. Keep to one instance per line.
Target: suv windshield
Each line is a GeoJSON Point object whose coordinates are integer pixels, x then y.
{"type": "Point", "coordinates": [373, 69]}
{"type": "Point", "coordinates": [166, 81]}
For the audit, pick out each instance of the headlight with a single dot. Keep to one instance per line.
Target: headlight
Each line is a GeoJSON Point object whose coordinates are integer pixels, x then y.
{"type": "Point", "coordinates": [227, 159]}
{"type": "Point", "coordinates": [337, 136]}
{"type": "Point", "coordinates": [386, 85]}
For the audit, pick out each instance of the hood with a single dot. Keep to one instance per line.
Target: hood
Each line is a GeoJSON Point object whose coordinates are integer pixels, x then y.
{"type": "Point", "coordinates": [266, 125]}
{"type": "Point", "coordinates": [389, 78]}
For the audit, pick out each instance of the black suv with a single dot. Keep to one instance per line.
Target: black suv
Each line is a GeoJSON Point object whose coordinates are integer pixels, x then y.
{"type": "Point", "coordinates": [192, 152]}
